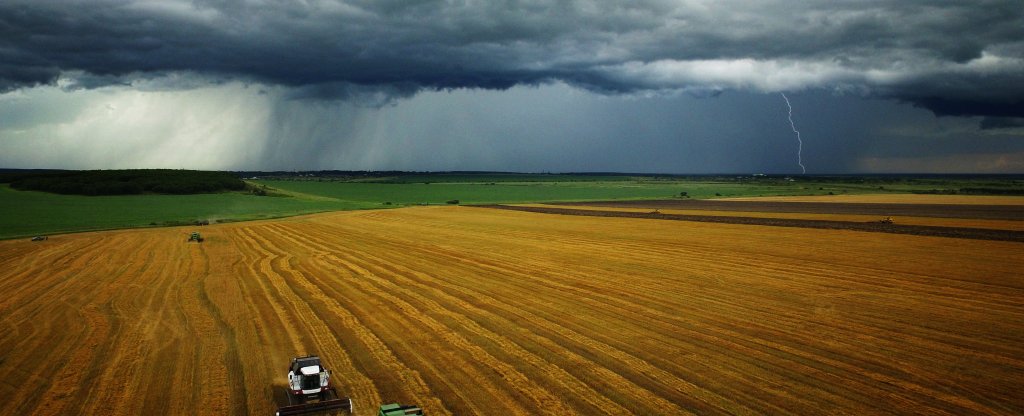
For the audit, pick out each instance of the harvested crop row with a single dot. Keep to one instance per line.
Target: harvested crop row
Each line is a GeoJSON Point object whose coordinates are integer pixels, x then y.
{"type": "Point", "coordinates": [474, 311]}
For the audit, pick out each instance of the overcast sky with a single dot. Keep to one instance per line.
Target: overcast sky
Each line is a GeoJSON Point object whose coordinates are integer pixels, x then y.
{"type": "Point", "coordinates": [688, 86]}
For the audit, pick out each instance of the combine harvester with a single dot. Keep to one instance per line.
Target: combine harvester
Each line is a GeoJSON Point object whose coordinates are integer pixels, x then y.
{"type": "Point", "coordinates": [308, 380]}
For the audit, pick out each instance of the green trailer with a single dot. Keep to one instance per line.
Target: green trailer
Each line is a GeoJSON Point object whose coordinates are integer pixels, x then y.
{"type": "Point", "coordinates": [395, 409]}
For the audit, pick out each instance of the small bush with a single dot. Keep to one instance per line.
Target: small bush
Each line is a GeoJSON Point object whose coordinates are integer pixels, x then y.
{"type": "Point", "coordinates": [453, 202]}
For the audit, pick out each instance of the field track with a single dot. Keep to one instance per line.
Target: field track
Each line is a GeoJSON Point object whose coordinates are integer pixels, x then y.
{"type": "Point", "coordinates": [1001, 211]}
{"type": "Point", "coordinates": [873, 226]}
{"type": "Point", "coordinates": [1007, 225]}
{"type": "Point", "coordinates": [893, 198]}
{"type": "Point", "coordinates": [482, 311]}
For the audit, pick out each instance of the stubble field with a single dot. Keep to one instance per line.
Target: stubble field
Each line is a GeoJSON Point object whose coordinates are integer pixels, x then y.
{"type": "Point", "coordinates": [480, 311]}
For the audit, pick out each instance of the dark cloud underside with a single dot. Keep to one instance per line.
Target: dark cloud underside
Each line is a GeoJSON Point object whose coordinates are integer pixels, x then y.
{"type": "Point", "coordinates": [953, 58]}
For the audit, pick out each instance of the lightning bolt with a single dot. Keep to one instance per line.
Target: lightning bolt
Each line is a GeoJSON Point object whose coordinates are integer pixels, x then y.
{"type": "Point", "coordinates": [800, 143]}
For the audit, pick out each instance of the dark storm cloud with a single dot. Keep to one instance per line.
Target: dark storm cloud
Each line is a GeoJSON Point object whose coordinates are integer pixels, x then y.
{"type": "Point", "coordinates": [954, 58]}
{"type": "Point", "coordinates": [994, 123]}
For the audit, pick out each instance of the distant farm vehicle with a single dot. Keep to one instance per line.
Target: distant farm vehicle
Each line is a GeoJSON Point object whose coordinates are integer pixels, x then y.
{"type": "Point", "coordinates": [886, 220]}
{"type": "Point", "coordinates": [395, 409]}
{"type": "Point", "coordinates": [195, 237]}
{"type": "Point", "coordinates": [308, 380]}
{"type": "Point", "coordinates": [40, 238]}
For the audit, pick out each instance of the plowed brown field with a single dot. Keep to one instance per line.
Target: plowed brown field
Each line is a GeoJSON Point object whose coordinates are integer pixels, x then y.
{"type": "Point", "coordinates": [483, 311]}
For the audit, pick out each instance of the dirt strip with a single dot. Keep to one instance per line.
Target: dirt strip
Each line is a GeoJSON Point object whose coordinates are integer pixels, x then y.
{"type": "Point", "coordinates": [951, 232]}
{"type": "Point", "coordinates": [993, 212]}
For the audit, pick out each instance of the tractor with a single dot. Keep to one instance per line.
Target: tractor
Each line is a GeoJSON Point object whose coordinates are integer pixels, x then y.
{"type": "Point", "coordinates": [309, 389]}
{"type": "Point", "coordinates": [195, 237]}
{"type": "Point", "coordinates": [395, 409]}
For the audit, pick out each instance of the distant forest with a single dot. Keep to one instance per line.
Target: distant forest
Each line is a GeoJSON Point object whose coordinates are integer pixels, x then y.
{"type": "Point", "coordinates": [124, 182]}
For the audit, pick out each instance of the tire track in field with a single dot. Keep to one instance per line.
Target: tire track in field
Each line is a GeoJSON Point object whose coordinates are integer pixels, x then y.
{"type": "Point", "coordinates": [34, 259]}
{"type": "Point", "coordinates": [597, 373]}
{"type": "Point", "coordinates": [822, 276]}
{"type": "Point", "coordinates": [163, 325]}
{"type": "Point", "coordinates": [99, 342]}
{"type": "Point", "coordinates": [426, 255]}
{"type": "Point", "coordinates": [175, 356]}
{"type": "Point", "coordinates": [520, 382]}
{"type": "Point", "coordinates": [625, 365]}
{"type": "Point", "coordinates": [258, 263]}
{"type": "Point", "coordinates": [213, 367]}
{"type": "Point", "coordinates": [144, 308]}
{"type": "Point", "coordinates": [482, 332]}
{"type": "Point", "coordinates": [278, 262]}
{"type": "Point", "coordinates": [455, 260]}
{"type": "Point", "coordinates": [398, 337]}
{"type": "Point", "coordinates": [549, 291]}
{"type": "Point", "coordinates": [387, 364]}
{"type": "Point", "coordinates": [385, 355]}
{"type": "Point", "coordinates": [905, 287]}
{"type": "Point", "coordinates": [111, 302]}
{"type": "Point", "coordinates": [935, 285]}
{"type": "Point", "coordinates": [258, 328]}
{"type": "Point", "coordinates": [731, 334]}
{"type": "Point", "coordinates": [234, 376]}
{"type": "Point", "coordinates": [376, 285]}
{"type": "Point", "coordinates": [382, 268]}
{"type": "Point", "coordinates": [826, 276]}
{"type": "Point", "coordinates": [271, 327]}
{"type": "Point", "coordinates": [38, 280]}
{"type": "Point", "coordinates": [780, 323]}
{"type": "Point", "coordinates": [54, 335]}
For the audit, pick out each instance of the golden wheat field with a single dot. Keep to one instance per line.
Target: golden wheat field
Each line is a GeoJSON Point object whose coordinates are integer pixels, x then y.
{"type": "Point", "coordinates": [480, 311]}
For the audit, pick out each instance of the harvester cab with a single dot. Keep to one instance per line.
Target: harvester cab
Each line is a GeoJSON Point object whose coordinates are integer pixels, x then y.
{"type": "Point", "coordinates": [309, 380]}
{"type": "Point", "coordinates": [306, 377]}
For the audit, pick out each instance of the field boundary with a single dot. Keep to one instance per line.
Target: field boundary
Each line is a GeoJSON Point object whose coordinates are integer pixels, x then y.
{"type": "Point", "coordinates": [980, 212]}
{"type": "Point", "coordinates": [923, 230]}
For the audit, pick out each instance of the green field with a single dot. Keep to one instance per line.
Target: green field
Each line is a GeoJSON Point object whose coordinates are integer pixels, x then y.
{"type": "Point", "coordinates": [476, 193]}
{"type": "Point", "coordinates": [27, 213]}
{"type": "Point", "coordinates": [509, 188]}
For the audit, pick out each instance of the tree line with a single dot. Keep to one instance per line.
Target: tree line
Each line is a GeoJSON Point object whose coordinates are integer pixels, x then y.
{"type": "Point", "coordinates": [125, 182]}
